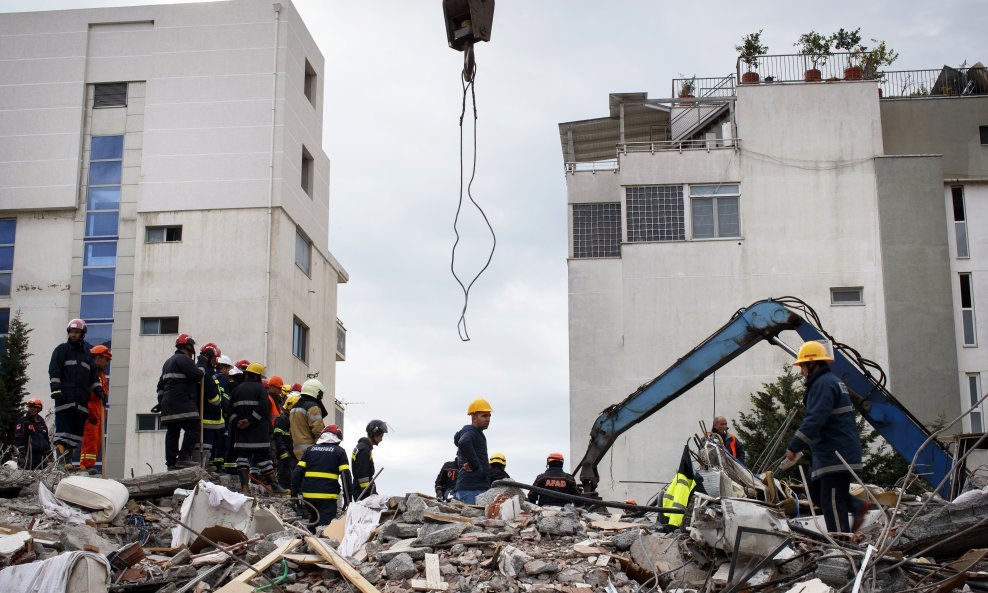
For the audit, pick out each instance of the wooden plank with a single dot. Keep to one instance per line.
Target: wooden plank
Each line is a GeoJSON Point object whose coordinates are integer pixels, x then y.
{"type": "Point", "coordinates": [613, 525]}
{"type": "Point", "coordinates": [446, 518]}
{"type": "Point", "coordinates": [423, 585]}
{"type": "Point", "coordinates": [304, 558]}
{"type": "Point", "coordinates": [259, 567]}
{"type": "Point", "coordinates": [432, 574]}
{"type": "Point", "coordinates": [348, 572]}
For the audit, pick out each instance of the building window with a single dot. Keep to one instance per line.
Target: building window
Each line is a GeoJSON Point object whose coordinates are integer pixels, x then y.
{"type": "Point", "coordinates": [960, 221]}
{"type": "Point", "coordinates": [597, 230]}
{"type": "Point", "coordinates": [157, 326]}
{"type": "Point", "coordinates": [655, 213]}
{"type": "Point", "coordinates": [340, 341]}
{"type": "Point", "coordinates": [4, 326]}
{"type": "Point", "coordinates": [967, 311]}
{"type": "Point", "coordinates": [163, 234]}
{"type": "Point", "coordinates": [112, 94]}
{"type": "Point", "coordinates": [853, 295]}
{"type": "Point", "coordinates": [300, 340]}
{"type": "Point", "coordinates": [307, 171]}
{"type": "Point", "coordinates": [983, 130]}
{"type": "Point", "coordinates": [715, 210]}
{"type": "Point", "coordinates": [8, 231]}
{"type": "Point", "coordinates": [303, 252]}
{"type": "Point", "coordinates": [148, 423]}
{"type": "Point", "coordinates": [310, 87]}
{"type": "Point", "coordinates": [974, 393]}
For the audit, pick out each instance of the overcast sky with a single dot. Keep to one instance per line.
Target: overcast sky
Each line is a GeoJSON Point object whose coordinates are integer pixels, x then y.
{"type": "Point", "coordinates": [392, 104]}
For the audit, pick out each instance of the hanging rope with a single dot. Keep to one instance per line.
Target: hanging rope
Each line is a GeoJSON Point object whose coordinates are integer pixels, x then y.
{"type": "Point", "coordinates": [467, 79]}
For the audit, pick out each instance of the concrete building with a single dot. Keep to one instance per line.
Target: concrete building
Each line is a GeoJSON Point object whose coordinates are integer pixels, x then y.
{"type": "Point", "coordinates": [162, 171]}
{"type": "Point", "coordinates": [683, 211]}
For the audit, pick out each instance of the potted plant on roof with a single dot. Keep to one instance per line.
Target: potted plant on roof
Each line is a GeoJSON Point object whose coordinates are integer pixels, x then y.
{"type": "Point", "coordinates": [850, 41]}
{"type": "Point", "coordinates": [751, 47]}
{"type": "Point", "coordinates": [876, 57]}
{"type": "Point", "coordinates": [817, 48]}
{"type": "Point", "coordinates": [686, 89]}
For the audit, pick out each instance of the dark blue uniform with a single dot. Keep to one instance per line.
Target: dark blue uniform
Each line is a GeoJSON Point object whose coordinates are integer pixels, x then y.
{"type": "Point", "coordinates": [471, 449]}
{"type": "Point", "coordinates": [317, 478]}
{"type": "Point", "coordinates": [31, 440]}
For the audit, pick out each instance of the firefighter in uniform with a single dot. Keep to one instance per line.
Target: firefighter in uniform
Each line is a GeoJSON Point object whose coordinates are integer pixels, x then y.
{"type": "Point", "coordinates": [499, 463]}
{"type": "Point", "coordinates": [319, 475]}
{"type": "Point", "coordinates": [554, 478]}
{"type": "Point", "coordinates": [31, 437]}
{"type": "Point", "coordinates": [92, 436]}
{"type": "Point", "coordinates": [362, 459]}
{"type": "Point", "coordinates": [307, 417]}
{"type": "Point", "coordinates": [212, 397]}
{"type": "Point", "coordinates": [446, 480]}
{"type": "Point", "coordinates": [73, 375]}
{"type": "Point", "coordinates": [251, 421]}
{"type": "Point", "coordinates": [234, 377]}
{"type": "Point", "coordinates": [283, 442]}
{"type": "Point", "coordinates": [223, 366]}
{"type": "Point", "coordinates": [178, 397]}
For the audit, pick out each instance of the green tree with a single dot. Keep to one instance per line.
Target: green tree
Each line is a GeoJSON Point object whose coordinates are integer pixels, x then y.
{"type": "Point", "coordinates": [13, 376]}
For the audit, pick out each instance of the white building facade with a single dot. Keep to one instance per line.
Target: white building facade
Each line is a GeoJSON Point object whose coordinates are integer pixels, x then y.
{"type": "Point", "coordinates": [794, 189]}
{"type": "Point", "coordinates": [162, 172]}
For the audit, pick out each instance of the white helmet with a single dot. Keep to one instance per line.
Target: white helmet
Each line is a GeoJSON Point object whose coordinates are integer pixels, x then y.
{"type": "Point", "coordinates": [224, 359]}
{"type": "Point", "coordinates": [234, 372]}
{"type": "Point", "coordinates": [313, 387]}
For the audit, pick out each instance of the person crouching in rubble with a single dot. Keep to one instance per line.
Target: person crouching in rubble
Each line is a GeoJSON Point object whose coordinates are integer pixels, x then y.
{"type": "Point", "coordinates": [727, 438]}
{"type": "Point", "coordinates": [471, 453]}
{"type": "Point", "coordinates": [31, 437]}
{"type": "Point", "coordinates": [554, 478]}
{"type": "Point", "coordinates": [318, 475]}
{"type": "Point", "coordinates": [827, 429]}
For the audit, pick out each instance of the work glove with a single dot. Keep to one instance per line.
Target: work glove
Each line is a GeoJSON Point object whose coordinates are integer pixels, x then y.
{"type": "Point", "coordinates": [156, 409]}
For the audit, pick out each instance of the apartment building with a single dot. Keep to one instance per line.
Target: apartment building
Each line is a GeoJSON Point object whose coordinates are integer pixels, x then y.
{"type": "Point", "coordinates": [861, 197]}
{"type": "Point", "coordinates": [162, 172]}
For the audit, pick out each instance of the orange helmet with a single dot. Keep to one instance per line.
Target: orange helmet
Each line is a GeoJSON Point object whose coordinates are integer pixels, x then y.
{"type": "Point", "coordinates": [35, 402]}
{"type": "Point", "coordinates": [554, 457]}
{"type": "Point", "coordinates": [101, 350]}
{"type": "Point", "coordinates": [276, 381]}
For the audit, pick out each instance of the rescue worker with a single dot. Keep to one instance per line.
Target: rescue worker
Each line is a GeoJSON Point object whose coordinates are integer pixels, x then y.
{"type": "Point", "coordinates": [251, 421]}
{"type": "Point", "coordinates": [212, 397]}
{"type": "Point", "coordinates": [92, 435]}
{"type": "Point", "coordinates": [554, 478]}
{"type": "Point", "coordinates": [306, 417]}
{"type": "Point", "coordinates": [499, 463]}
{"type": "Point", "coordinates": [828, 428]}
{"type": "Point", "coordinates": [446, 480]}
{"type": "Point", "coordinates": [283, 442]}
{"type": "Point", "coordinates": [321, 476]}
{"type": "Point", "coordinates": [234, 377]}
{"type": "Point", "coordinates": [275, 398]}
{"type": "Point", "coordinates": [223, 367]}
{"type": "Point", "coordinates": [31, 437]}
{"type": "Point", "coordinates": [178, 397]}
{"type": "Point", "coordinates": [728, 439]}
{"type": "Point", "coordinates": [362, 459]}
{"type": "Point", "coordinates": [73, 375]}
{"type": "Point", "coordinates": [471, 453]}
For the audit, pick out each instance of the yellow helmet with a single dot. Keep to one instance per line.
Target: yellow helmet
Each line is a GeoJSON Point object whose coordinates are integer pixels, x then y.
{"type": "Point", "coordinates": [286, 389]}
{"type": "Point", "coordinates": [255, 367]}
{"type": "Point", "coordinates": [291, 400]}
{"type": "Point", "coordinates": [478, 405]}
{"type": "Point", "coordinates": [812, 351]}
{"type": "Point", "coordinates": [499, 458]}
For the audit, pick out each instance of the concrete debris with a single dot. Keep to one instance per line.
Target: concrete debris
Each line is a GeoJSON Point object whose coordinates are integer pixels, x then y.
{"type": "Point", "coordinates": [417, 543]}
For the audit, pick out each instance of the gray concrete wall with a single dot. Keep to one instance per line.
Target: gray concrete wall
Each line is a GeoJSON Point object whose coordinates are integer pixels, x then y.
{"type": "Point", "coordinates": [916, 269]}
{"type": "Point", "coordinates": [947, 126]}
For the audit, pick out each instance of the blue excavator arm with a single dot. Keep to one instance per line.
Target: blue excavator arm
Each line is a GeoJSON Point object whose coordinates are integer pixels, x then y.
{"type": "Point", "coordinates": [764, 321]}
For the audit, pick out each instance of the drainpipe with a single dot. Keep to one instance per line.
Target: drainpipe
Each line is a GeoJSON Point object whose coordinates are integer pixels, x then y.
{"type": "Point", "coordinates": [274, 105]}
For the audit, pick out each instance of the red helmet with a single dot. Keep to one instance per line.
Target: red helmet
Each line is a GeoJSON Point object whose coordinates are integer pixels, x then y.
{"type": "Point", "coordinates": [212, 347]}
{"type": "Point", "coordinates": [243, 364]}
{"type": "Point", "coordinates": [185, 341]}
{"type": "Point", "coordinates": [77, 324]}
{"type": "Point", "coordinates": [101, 350]}
{"type": "Point", "coordinates": [35, 402]}
{"type": "Point", "coordinates": [332, 428]}
{"type": "Point", "coordinates": [297, 387]}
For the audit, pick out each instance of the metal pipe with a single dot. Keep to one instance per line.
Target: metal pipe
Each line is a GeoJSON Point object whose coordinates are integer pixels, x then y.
{"type": "Point", "coordinates": [589, 500]}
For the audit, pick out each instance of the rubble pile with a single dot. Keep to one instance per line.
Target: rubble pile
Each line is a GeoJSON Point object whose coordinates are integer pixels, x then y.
{"type": "Point", "coordinates": [189, 532]}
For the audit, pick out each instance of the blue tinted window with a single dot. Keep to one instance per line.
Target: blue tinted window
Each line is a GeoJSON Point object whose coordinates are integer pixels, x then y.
{"type": "Point", "coordinates": [5, 284]}
{"type": "Point", "coordinates": [104, 173]}
{"type": "Point", "coordinates": [97, 306]}
{"type": "Point", "coordinates": [107, 147]}
{"type": "Point", "coordinates": [99, 333]}
{"type": "Point", "coordinates": [4, 321]}
{"type": "Point", "coordinates": [98, 279]}
{"type": "Point", "coordinates": [103, 253]}
{"type": "Point", "coordinates": [103, 198]}
{"type": "Point", "coordinates": [101, 224]}
{"type": "Point", "coordinates": [6, 258]}
{"type": "Point", "coordinates": [8, 228]}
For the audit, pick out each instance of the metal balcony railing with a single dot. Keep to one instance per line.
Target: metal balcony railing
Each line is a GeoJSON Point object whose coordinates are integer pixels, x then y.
{"type": "Point", "coordinates": [721, 86]}
{"type": "Point", "coordinates": [593, 167]}
{"type": "Point", "coordinates": [941, 82]}
{"type": "Point", "coordinates": [690, 115]}
{"type": "Point", "coordinates": [614, 165]}
{"type": "Point", "coordinates": [794, 67]}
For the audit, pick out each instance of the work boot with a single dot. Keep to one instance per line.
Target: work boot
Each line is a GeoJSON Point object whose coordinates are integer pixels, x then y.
{"type": "Point", "coordinates": [272, 481]}
{"type": "Point", "coordinates": [64, 457]}
{"type": "Point", "coordinates": [244, 474]}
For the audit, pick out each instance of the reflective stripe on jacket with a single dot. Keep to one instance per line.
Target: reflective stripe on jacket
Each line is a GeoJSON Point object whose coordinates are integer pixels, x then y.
{"type": "Point", "coordinates": [829, 426]}
{"type": "Point", "coordinates": [320, 472]}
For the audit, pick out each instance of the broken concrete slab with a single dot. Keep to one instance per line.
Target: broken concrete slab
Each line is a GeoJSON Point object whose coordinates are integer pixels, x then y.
{"type": "Point", "coordinates": [512, 561]}
{"type": "Point", "coordinates": [400, 567]}
{"type": "Point", "coordinates": [85, 537]}
{"type": "Point", "coordinates": [404, 546]}
{"type": "Point", "coordinates": [558, 525]}
{"type": "Point", "coordinates": [16, 548]}
{"type": "Point", "coordinates": [434, 534]}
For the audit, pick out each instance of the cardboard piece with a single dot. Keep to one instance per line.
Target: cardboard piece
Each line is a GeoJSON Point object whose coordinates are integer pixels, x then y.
{"type": "Point", "coordinates": [336, 528]}
{"type": "Point", "coordinates": [199, 514]}
{"type": "Point", "coordinates": [218, 534]}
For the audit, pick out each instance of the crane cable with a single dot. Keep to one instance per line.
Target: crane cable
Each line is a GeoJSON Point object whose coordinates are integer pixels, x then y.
{"type": "Point", "coordinates": [467, 79]}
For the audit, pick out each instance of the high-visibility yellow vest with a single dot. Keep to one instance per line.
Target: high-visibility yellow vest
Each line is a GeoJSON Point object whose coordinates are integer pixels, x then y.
{"type": "Point", "coordinates": [677, 495]}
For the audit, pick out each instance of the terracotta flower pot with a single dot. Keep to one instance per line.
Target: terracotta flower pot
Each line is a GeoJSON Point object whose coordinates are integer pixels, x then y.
{"type": "Point", "coordinates": [812, 75]}
{"type": "Point", "coordinates": [686, 100]}
{"type": "Point", "coordinates": [852, 73]}
{"type": "Point", "coordinates": [749, 77]}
